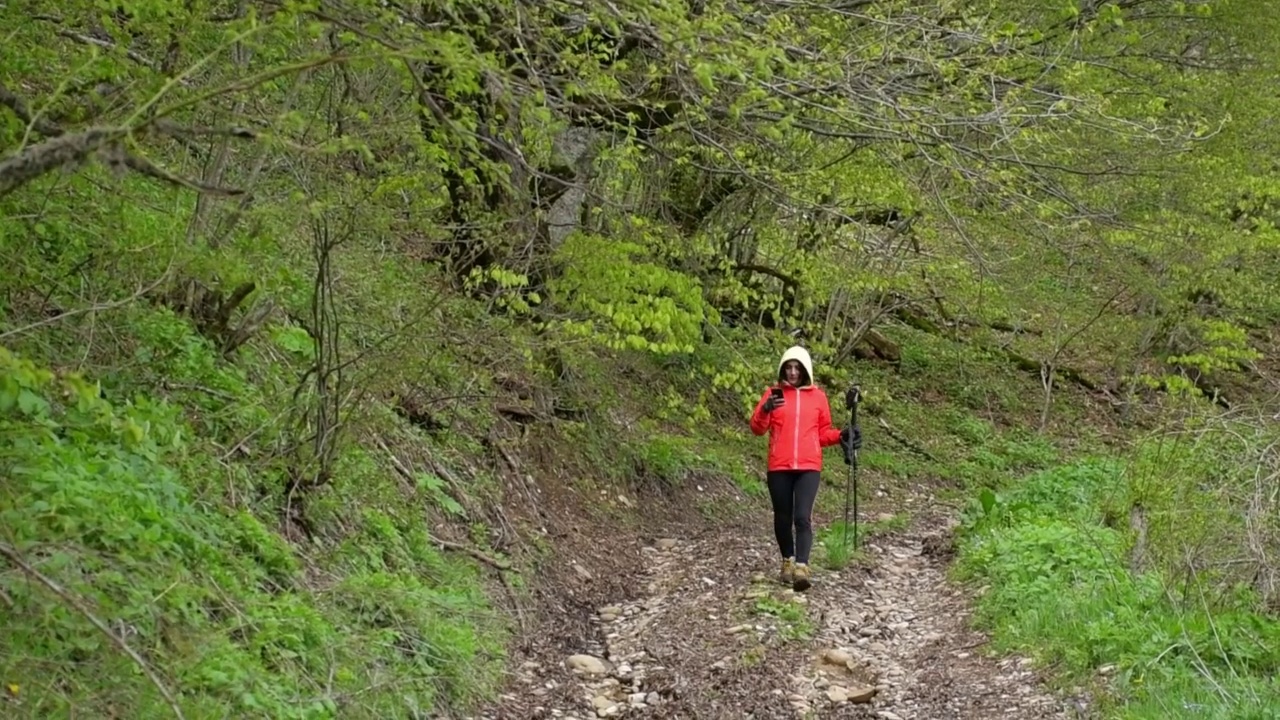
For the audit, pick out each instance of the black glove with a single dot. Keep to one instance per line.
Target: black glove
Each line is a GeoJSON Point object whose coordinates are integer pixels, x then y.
{"type": "Point", "coordinates": [773, 403]}
{"type": "Point", "coordinates": [850, 440]}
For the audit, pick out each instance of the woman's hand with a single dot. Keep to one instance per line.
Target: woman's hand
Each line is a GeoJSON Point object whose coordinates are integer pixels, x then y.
{"type": "Point", "coordinates": [773, 403]}
{"type": "Point", "coordinates": [850, 440]}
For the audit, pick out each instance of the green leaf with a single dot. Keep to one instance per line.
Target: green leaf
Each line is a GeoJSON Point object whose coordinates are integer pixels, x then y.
{"type": "Point", "coordinates": [705, 75]}
{"type": "Point", "coordinates": [987, 498]}
{"type": "Point", "coordinates": [31, 404]}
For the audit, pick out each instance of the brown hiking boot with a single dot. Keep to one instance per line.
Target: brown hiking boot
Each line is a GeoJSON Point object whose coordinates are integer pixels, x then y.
{"type": "Point", "coordinates": [787, 576]}
{"type": "Point", "coordinates": [800, 583]}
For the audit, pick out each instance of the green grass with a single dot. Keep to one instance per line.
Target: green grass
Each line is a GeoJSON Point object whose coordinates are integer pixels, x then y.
{"type": "Point", "coordinates": [1059, 590]}
{"type": "Point", "coordinates": [109, 498]}
{"type": "Point", "coordinates": [792, 617]}
{"type": "Point", "coordinates": [837, 544]}
{"type": "Point", "coordinates": [841, 544]}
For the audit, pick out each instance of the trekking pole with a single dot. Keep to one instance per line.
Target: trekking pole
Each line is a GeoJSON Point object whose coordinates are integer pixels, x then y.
{"type": "Point", "coordinates": [851, 400]}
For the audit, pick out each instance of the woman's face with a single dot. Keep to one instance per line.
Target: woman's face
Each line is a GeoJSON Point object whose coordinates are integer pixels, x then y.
{"type": "Point", "coordinates": [791, 372]}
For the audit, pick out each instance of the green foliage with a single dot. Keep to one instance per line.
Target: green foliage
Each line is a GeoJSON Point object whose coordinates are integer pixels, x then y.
{"type": "Point", "coordinates": [97, 500]}
{"type": "Point", "coordinates": [838, 545]}
{"type": "Point", "coordinates": [1057, 588]}
{"type": "Point", "coordinates": [791, 616]}
{"type": "Point", "coordinates": [989, 457]}
{"type": "Point", "coordinates": [1224, 347]}
{"type": "Point", "coordinates": [439, 496]}
{"type": "Point", "coordinates": [633, 304]}
{"type": "Point", "coordinates": [1046, 185]}
{"type": "Point", "coordinates": [509, 284]}
{"type": "Point", "coordinates": [1209, 509]}
{"type": "Point", "coordinates": [673, 459]}
{"type": "Point", "coordinates": [662, 457]}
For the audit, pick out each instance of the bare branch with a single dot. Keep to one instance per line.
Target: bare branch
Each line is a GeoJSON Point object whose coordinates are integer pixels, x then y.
{"type": "Point", "coordinates": [52, 586]}
{"type": "Point", "coordinates": [65, 150]}
{"type": "Point", "coordinates": [107, 44]}
{"type": "Point", "coordinates": [142, 165]}
{"type": "Point", "coordinates": [103, 43]}
{"type": "Point", "coordinates": [60, 151]}
{"type": "Point", "coordinates": [40, 124]}
{"type": "Point", "coordinates": [142, 292]}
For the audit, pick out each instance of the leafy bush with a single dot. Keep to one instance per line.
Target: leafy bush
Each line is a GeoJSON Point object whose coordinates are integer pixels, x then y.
{"type": "Point", "coordinates": [633, 303]}
{"type": "Point", "coordinates": [96, 500]}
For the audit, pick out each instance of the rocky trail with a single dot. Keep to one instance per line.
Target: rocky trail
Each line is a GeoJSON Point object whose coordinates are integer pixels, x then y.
{"type": "Point", "coordinates": [707, 631]}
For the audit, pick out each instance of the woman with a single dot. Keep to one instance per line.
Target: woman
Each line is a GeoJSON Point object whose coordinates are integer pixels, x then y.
{"type": "Point", "coordinates": [797, 417]}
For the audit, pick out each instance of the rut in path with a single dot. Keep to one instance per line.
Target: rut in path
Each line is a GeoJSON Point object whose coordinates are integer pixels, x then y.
{"type": "Point", "coordinates": [714, 635]}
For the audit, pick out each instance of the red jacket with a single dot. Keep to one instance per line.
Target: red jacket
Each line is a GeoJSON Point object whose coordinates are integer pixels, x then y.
{"type": "Point", "coordinates": [798, 430]}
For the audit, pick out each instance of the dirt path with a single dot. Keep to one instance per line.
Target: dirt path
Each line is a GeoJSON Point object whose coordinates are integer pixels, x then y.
{"type": "Point", "coordinates": [708, 633]}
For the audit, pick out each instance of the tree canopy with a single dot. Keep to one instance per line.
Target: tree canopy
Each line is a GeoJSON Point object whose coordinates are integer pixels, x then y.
{"type": "Point", "coordinates": [777, 163]}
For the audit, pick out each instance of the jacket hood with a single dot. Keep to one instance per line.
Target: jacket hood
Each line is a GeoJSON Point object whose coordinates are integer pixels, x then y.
{"type": "Point", "coordinates": [796, 352]}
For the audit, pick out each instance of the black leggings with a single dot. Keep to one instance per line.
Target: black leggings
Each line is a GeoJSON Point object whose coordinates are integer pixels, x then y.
{"type": "Point", "coordinates": [793, 493]}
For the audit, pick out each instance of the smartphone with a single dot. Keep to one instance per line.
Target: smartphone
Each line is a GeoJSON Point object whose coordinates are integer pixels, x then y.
{"type": "Point", "coordinates": [776, 393]}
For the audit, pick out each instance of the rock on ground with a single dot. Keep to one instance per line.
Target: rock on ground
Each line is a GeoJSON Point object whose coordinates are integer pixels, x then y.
{"type": "Point", "coordinates": [707, 633]}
